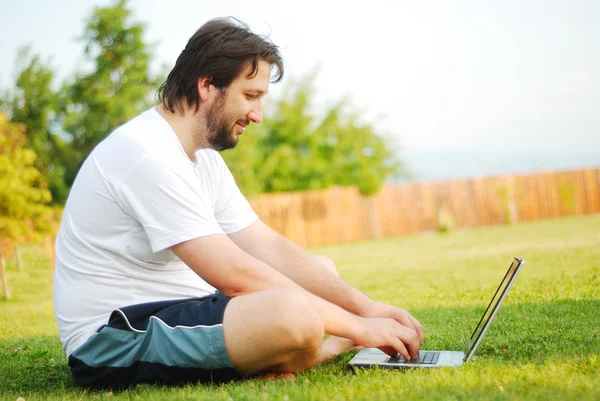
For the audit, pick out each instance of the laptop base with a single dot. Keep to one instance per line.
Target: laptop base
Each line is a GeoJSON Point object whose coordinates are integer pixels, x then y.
{"type": "Point", "coordinates": [368, 357]}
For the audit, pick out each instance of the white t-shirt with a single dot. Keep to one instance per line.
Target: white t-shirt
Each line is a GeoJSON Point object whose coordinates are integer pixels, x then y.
{"type": "Point", "coordinates": [137, 194]}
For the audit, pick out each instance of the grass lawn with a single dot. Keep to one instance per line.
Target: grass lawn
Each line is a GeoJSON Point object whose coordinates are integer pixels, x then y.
{"type": "Point", "coordinates": [544, 343]}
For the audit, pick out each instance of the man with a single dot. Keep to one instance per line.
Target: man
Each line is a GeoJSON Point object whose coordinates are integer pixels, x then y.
{"type": "Point", "coordinates": [154, 224]}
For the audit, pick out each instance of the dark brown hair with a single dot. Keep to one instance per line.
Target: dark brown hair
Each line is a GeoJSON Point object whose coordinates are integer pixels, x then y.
{"type": "Point", "coordinates": [221, 49]}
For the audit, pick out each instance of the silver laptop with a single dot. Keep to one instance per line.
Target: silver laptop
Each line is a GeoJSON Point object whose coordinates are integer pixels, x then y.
{"type": "Point", "coordinates": [435, 359]}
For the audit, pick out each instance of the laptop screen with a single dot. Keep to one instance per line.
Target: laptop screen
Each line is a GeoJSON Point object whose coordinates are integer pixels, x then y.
{"type": "Point", "coordinates": [493, 306]}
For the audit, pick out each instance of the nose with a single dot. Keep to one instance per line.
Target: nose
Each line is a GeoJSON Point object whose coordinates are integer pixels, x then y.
{"type": "Point", "coordinates": [256, 114]}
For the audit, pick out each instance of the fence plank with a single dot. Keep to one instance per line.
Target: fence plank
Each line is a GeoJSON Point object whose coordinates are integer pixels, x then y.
{"type": "Point", "coordinates": [338, 215]}
{"type": "Point", "coordinates": [592, 191]}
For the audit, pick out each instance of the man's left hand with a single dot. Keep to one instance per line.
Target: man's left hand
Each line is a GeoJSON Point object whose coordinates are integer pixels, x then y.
{"type": "Point", "coordinates": [379, 309]}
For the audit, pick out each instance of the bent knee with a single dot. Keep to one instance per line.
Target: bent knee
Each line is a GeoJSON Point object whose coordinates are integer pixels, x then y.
{"type": "Point", "coordinates": [327, 262]}
{"type": "Point", "coordinates": [298, 321]}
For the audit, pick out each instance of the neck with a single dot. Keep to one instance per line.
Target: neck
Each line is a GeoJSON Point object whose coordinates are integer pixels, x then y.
{"type": "Point", "coordinates": [185, 127]}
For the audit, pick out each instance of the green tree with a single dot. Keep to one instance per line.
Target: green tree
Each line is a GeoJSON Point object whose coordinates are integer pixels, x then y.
{"type": "Point", "coordinates": [118, 87]}
{"type": "Point", "coordinates": [295, 150]}
{"type": "Point", "coordinates": [65, 125]}
{"type": "Point", "coordinates": [24, 214]}
{"type": "Point", "coordinates": [244, 159]}
{"type": "Point", "coordinates": [33, 103]}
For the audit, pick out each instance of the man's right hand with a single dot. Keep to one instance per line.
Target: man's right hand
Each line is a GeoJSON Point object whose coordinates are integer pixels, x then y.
{"type": "Point", "coordinates": [389, 336]}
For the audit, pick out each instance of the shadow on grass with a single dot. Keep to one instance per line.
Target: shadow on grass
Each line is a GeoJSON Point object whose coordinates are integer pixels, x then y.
{"type": "Point", "coordinates": [529, 333]}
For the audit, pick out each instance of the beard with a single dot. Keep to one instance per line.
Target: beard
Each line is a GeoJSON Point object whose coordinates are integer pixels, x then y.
{"type": "Point", "coordinates": [219, 126]}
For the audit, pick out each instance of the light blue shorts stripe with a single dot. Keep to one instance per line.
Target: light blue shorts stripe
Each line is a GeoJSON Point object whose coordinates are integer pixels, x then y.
{"type": "Point", "coordinates": [180, 346]}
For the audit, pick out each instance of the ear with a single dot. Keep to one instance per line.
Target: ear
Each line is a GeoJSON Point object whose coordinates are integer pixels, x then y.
{"type": "Point", "coordinates": [204, 88]}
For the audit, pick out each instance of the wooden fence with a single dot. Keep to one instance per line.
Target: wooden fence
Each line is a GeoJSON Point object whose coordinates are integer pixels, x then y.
{"type": "Point", "coordinates": [336, 215]}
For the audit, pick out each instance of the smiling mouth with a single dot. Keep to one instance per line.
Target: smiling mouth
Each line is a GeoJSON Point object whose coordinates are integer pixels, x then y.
{"type": "Point", "coordinates": [242, 125]}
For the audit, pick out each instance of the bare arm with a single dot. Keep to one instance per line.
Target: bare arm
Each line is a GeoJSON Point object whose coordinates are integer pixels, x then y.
{"type": "Point", "coordinates": [267, 245]}
{"type": "Point", "coordinates": [221, 263]}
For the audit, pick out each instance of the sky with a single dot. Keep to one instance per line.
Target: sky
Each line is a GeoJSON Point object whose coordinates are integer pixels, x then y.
{"type": "Point", "coordinates": [480, 77]}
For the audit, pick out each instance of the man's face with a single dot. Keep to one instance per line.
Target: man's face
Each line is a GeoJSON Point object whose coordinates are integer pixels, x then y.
{"type": "Point", "coordinates": [233, 108]}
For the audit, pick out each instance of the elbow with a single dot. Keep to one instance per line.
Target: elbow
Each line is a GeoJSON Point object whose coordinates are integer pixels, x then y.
{"type": "Point", "coordinates": [241, 281]}
{"type": "Point", "coordinates": [233, 289]}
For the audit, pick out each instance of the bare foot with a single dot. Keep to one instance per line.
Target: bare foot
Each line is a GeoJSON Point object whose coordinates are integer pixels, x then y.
{"type": "Point", "coordinates": [333, 346]}
{"type": "Point", "coordinates": [275, 377]}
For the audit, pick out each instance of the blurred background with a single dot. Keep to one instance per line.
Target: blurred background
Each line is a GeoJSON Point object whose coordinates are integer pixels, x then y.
{"type": "Point", "coordinates": [393, 117]}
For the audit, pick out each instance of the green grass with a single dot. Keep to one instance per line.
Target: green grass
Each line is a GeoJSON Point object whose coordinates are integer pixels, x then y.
{"type": "Point", "coordinates": [544, 343]}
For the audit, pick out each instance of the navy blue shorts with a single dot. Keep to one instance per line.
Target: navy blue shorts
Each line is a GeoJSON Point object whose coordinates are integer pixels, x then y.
{"type": "Point", "coordinates": [169, 342]}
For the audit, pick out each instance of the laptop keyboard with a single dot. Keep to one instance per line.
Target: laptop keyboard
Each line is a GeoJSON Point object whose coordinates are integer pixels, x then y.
{"type": "Point", "coordinates": [425, 358]}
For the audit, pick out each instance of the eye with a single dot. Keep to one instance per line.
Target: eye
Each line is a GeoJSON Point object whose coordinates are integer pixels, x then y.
{"type": "Point", "coordinates": [250, 96]}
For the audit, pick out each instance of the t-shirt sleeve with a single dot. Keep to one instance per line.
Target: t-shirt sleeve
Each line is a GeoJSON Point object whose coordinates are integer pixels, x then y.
{"type": "Point", "coordinates": [167, 202]}
{"type": "Point", "coordinates": [232, 210]}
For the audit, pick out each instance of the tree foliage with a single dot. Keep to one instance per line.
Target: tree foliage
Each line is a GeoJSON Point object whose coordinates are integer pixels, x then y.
{"type": "Point", "coordinates": [114, 85]}
{"type": "Point", "coordinates": [295, 150]}
{"type": "Point", "coordinates": [34, 103]}
{"type": "Point", "coordinates": [24, 214]}
{"type": "Point", "coordinates": [118, 87]}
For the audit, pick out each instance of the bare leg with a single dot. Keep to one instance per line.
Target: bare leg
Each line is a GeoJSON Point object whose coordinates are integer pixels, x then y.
{"type": "Point", "coordinates": [275, 331]}
{"type": "Point", "coordinates": [333, 346]}
{"type": "Point", "coordinates": [327, 262]}
{"type": "Point", "coordinates": [278, 331]}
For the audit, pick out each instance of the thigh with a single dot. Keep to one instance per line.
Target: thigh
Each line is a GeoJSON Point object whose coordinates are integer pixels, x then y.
{"type": "Point", "coordinates": [275, 329]}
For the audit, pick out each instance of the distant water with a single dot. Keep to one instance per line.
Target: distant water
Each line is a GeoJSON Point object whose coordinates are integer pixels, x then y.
{"type": "Point", "coordinates": [428, 165]}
